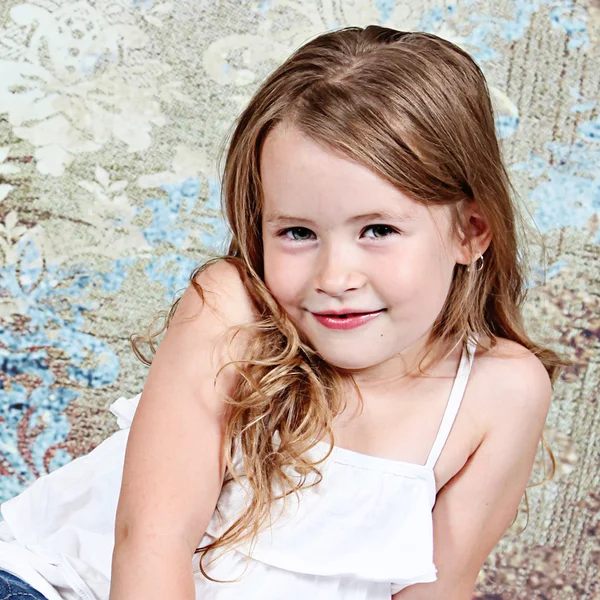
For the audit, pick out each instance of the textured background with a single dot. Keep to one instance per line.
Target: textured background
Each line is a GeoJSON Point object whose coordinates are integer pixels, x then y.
{"type": "Point", "coordinates": [111, 116]}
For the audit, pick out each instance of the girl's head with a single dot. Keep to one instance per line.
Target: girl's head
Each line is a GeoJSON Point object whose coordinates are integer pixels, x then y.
{"type": "Point", "coordinates": [338, 237]}
{"type": "Point", "coordinates": [357, 122]}
{"type": "Point", "coordinates": [364, 121]}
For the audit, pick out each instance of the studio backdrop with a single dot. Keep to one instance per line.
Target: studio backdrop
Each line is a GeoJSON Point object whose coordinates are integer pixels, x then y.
{"type": "Point", "coordinates": [112, 114]}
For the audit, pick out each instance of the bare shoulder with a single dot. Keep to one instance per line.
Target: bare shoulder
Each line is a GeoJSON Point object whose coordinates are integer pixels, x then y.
{"type": "Point", "coordinates": [512, 382]}
{"type": "Point", "coordinates": [216, 307]}
{"type": "Point", "coordinates": [220, 287]}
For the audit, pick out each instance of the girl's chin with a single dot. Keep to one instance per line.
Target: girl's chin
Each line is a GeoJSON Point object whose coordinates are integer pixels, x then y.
{"type": "Point", "coordinates": [348, 362]}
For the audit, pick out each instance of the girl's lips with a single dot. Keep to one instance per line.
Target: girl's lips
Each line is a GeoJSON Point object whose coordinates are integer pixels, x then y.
{"type": "Point", "coordinates": [349, 322]}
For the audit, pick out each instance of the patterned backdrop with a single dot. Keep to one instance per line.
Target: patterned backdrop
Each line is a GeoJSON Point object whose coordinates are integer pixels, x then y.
{"type": "Point", "coordinates": [112, 114]}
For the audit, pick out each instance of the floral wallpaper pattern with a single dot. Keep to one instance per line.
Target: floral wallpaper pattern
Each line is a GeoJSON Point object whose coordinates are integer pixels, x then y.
{"type": "Point", "coordinates": [112, 115]}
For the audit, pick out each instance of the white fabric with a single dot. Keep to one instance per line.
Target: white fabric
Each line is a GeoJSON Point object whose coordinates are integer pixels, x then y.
{"type": "Point", "coordinates": [364, 532]}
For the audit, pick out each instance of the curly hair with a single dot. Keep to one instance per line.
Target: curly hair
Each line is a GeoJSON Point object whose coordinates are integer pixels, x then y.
{"type": "Point", "coordinates": [415, 109]}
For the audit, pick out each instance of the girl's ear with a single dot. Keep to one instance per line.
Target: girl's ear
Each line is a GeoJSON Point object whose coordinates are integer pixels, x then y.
{"type": "Point", "coordinates": [478, 236]}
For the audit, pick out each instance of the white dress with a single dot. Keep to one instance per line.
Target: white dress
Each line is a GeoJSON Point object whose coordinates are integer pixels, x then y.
{"type": "Point", "coordinates": [363, 533]}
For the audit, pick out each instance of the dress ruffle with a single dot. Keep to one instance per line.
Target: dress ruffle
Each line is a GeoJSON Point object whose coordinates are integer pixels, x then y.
{"type": "Point", "coordinates": [365, 531]}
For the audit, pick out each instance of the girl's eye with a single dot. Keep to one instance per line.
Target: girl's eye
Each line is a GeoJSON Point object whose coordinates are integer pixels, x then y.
{"type": "Point", "coordinates": [301, 232]}
{"type": "Point", "coordinates": [381, 231]}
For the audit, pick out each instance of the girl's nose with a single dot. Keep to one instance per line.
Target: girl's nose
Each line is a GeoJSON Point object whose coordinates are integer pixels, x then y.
{"type": "Point", "coordinates": [338, 274]}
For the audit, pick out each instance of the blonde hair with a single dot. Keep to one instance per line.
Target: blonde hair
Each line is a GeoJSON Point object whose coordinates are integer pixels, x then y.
{"type": "Point", "coordinates": [416, 110]}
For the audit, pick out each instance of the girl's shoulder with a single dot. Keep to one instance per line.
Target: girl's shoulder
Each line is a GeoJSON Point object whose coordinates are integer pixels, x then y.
{"type": "Point", "coordinates": [209, 327]}
{"type": "Point", "coordinates": [508, 356]}
{"type": "Point", "coordinates": [509, 381]}
{"type": "Point", "coordinates": [221, 286]}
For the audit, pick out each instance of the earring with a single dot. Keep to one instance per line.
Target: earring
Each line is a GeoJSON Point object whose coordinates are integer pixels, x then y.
{"type": "Point", "coordinates": [479, 265]}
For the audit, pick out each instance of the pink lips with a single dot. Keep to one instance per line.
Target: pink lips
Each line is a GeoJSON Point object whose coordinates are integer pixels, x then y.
{"type": "Point", "coordinates": [348, 322]}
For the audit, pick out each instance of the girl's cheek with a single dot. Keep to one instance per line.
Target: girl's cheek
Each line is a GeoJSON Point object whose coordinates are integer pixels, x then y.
{"type": "Point", "coordinates": [281, 274]}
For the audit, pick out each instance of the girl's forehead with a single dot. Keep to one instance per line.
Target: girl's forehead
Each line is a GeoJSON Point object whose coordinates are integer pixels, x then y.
{"type": "Point", "coordinates": [301, 177]}
{"type": "Point", "coordinates": [290, 157]}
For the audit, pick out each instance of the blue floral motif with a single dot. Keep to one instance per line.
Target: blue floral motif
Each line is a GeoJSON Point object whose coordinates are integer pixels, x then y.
{"type": "Point", "coordinates": [571, 19]}
{"type": "Point", "coordinates": [569, 193]}
{"type": "Point", "coordinates": [564, 14]}
{"type": "Point", "coordinates": [436, 17]}
{"type": "Point", "coordinates": [218, 238]}
{"type": "Point", "coordinates": [173, 220]}
{"type": "Point", "coordinates": [385, 8]}
{"type": "Point", "coordinates": [590, 131]}
{"type": "Point", "coordinates": [172, 271]}
{"type": "Point", "coordinates": [506, 125]}
{"type": "Point", "coordinates": [44, 405]}
{"type": "Point", "coordinates": [183, 195]}
{"type": "Point", "coordinates": [264, 6]}
{"type": "Point", "coordinates": [142, 4]}
{"type": "Point", "coordinates": [52, 302]}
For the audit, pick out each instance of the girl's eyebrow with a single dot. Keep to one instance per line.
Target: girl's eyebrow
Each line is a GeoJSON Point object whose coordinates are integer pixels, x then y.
{"type": "Point", "coordinates": [276, 217]}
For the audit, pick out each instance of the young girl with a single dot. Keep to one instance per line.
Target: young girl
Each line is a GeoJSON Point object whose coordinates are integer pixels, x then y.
{"type": "Point", "coordinates": [344, 407]}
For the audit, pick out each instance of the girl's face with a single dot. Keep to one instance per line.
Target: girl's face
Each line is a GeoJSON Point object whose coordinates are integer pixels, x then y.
{"type": "Point", "coordinates": [337, 237]}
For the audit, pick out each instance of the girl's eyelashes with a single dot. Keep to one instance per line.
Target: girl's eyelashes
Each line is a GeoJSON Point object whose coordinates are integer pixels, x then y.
{"type": "Point", "coordinates": [379, 231]}
{"type": "Point", "coordinates": [382, 228]}
{"type": "Point", "coordinates": [292, 230]}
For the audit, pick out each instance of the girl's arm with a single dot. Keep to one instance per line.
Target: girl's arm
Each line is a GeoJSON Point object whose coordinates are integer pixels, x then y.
{"type": "Point", "coordinates": [173, 469]}
{"type": "Point", "coordinates": [153, 567]}
{"type": "Point", "coordinates": [476, 507]}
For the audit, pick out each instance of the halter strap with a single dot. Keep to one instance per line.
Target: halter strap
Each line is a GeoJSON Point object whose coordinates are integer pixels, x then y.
{"type": "Point", "coordinates": [453, 404]}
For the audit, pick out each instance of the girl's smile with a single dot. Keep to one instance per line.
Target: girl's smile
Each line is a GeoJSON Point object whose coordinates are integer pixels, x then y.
{"type": "Point", "coordinates": [346, 319]}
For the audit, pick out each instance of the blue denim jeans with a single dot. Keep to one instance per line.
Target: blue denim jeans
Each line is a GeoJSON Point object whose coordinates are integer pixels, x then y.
{"type": "Point", "coordinates": [14, 588]}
